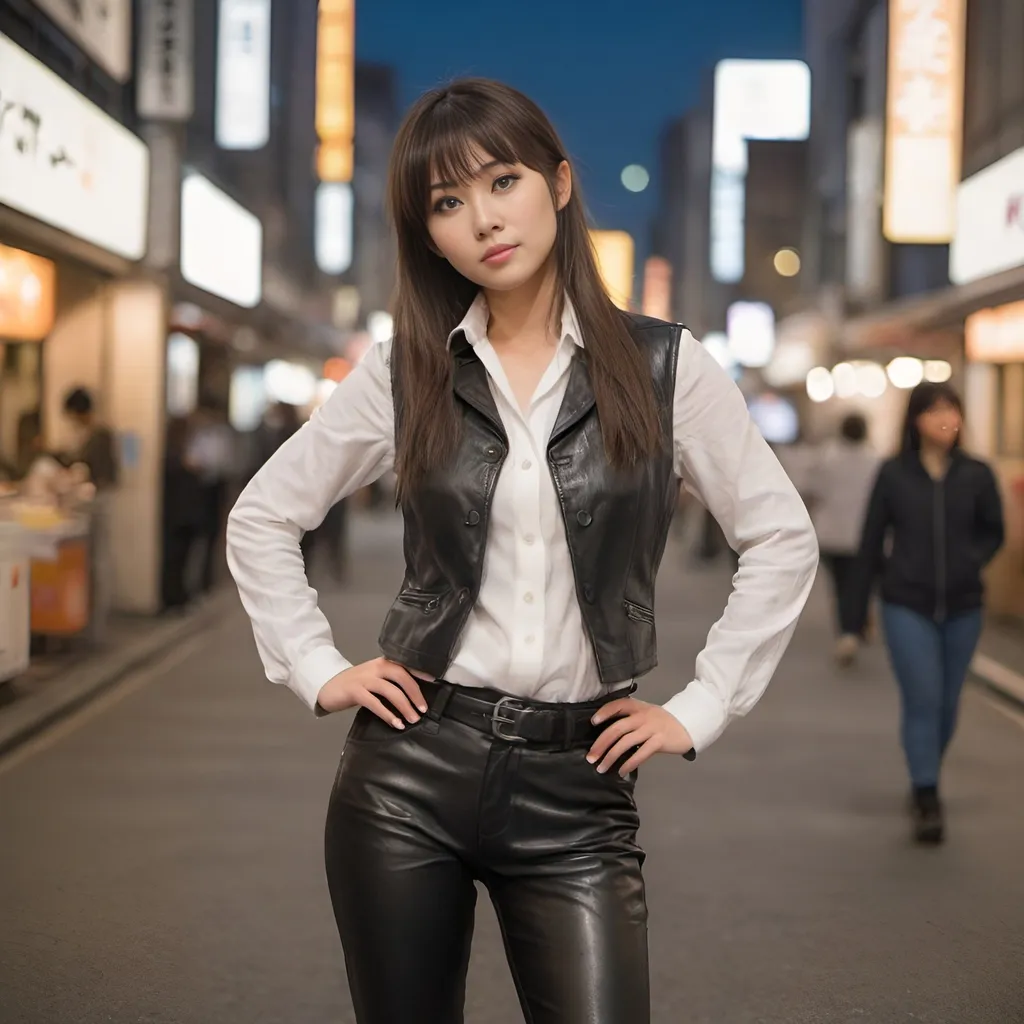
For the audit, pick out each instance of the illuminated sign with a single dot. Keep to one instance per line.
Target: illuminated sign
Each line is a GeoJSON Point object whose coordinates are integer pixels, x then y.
{"type": "Point", "coordinates": [614, 252]}
{"type": "Point", "coordinates": [65, 162]}
{"type": "Point", "coordinates": [335, 89]}
{"type": "Point", "coordinates": [243, 74]}
{"type": "Point", "coordinates": [996, 335]}
{"type": "Point", "coordinates": [221, 243]}
{"type": "Point", "coordinates": [27, 295]}
{"type": "Point", "coordinates": [103, 28]}
{"type": "Point", "coordinates": [750, 327]}
{"type": "Point", "coordinates": [924, 110]}
{"type": "Point", "coordinates": [754, 99]}
{"type": "Point", "coordinates": [333, 227]}
{"type": "Point", "coordinates": [989, 221]}
{"type": "Point", "coordinates": [657, 300]}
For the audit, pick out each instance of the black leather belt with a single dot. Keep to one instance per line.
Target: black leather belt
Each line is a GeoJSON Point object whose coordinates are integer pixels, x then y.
{"type": "Point", "coordinates": [515, 720]}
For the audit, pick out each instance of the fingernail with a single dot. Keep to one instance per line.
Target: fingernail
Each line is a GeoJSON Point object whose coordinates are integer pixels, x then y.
{"type": "Point", "coordinates": [590, 759]}
{"type": "Point", "coordinates": [596, 720]}
{"type": "Point", "coordinates": [601, 769]}
{"type": "Point", "coordinates": [398, 723]}
{"type": "Point", "coordinates": [423, 708]}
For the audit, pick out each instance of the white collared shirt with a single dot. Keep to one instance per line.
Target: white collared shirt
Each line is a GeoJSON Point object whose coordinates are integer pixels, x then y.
{"type": "Point", "coordinates": [525, 635]}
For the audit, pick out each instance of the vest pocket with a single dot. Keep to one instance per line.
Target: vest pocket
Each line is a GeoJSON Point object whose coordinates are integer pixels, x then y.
{"type": "Point", "coordinates": [427, 601]}
{"type": "Point", "coordinates": [638, 613]}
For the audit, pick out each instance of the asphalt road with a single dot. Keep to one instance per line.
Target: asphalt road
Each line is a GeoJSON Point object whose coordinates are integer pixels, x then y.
{"type": "Point", "coordinates": [161, 853]}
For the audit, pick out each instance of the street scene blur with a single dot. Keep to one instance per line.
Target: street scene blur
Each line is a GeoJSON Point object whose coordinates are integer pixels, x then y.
{"type": "Point", "coordinates": [195, 252]}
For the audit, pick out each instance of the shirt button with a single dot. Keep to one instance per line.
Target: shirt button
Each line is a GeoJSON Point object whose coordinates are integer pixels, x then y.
{"type": "Point", "coordinates": [529, 538]}
{"type": "Point", "coordinates": [530, 639]}
{"type": "Point", "coordinates": [527, 464]}
{"type": "Point", "coordinates": [528, 597]}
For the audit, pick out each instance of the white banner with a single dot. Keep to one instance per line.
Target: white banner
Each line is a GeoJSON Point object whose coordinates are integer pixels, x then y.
{"type": "Point", "coordinates": [164, 79]}
{"type": "Point", "coordinates": [989, 234]}
{"type": "Point", "coordinates": [65, 162]}
{"type": "Point", "coordinates": [103, 28]}
{"type": "Point", "coordinates": [243, 74]}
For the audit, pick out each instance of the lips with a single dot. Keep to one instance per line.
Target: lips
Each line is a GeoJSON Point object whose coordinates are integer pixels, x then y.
{"type": "Point", "coordinates": [497, 253]}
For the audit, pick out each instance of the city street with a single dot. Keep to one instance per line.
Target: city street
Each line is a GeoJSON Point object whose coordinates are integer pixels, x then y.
{"type": "Point", "coordinates": [161, 852]}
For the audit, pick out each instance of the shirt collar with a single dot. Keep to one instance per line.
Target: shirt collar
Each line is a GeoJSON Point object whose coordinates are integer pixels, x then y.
{"type": "Point", "coordinates": [474, 323]}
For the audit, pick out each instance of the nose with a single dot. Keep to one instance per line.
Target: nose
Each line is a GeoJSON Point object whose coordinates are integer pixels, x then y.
{"type": "Point", "coordinates": [486, 219]}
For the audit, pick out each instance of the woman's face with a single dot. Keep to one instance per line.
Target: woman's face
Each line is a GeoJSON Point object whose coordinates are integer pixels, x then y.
{"type": "Point", "coordinates": [498, 229]}
{"type": "Point", "coordinates": [940, 424]}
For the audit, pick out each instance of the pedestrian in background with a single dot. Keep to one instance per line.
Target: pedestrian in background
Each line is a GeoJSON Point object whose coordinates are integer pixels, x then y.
{"type": "Point", "coordinates": [539, 435]}
{"type": "Point", "coordinates": [837, 491]}
{"type": "Point", "coordinates": [941, 513]}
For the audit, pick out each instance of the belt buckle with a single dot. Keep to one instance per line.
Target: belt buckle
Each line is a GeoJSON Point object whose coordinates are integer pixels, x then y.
{"type": "Point", "coordinates": [498, 720]}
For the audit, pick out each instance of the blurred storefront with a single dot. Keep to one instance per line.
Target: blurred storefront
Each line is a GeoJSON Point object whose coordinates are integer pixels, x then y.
{"type": "Point", "coordinates": [78, 311]}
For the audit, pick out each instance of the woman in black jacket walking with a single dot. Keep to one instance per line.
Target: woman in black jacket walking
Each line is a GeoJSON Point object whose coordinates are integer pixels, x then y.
{"type": "Point", "coordinates": [943, 512]}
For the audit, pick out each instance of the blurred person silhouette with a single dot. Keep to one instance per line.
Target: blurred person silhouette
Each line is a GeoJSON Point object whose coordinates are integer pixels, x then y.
{"type": "Point", "coordinates": [184, 514]}
{"type": "Point", "coordinates": [539, 436]}
{"type": "Point", "coordinates": [837, 489]}
{"type": "Point", "coordinates": [210, 452]}
{"type": "Point", "coordinates": [95, 443]}
{"type": "Point", "coordinates": [934, 522]}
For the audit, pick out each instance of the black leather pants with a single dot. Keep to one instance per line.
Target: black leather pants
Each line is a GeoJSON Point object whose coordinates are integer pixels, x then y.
{"type": "Point", "coordinates": [417, 816]}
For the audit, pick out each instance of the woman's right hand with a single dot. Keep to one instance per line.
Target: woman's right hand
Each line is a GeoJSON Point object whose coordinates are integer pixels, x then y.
{"type": "Point", "coordinates": [363, 686]}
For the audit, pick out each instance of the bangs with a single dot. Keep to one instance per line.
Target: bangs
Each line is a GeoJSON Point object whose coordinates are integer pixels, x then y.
{"type": "Point", "coordinates": [450, 141]}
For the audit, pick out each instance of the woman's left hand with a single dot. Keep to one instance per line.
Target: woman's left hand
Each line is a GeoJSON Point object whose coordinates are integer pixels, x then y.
{"type": "Point", "coordinates": [647, 727]}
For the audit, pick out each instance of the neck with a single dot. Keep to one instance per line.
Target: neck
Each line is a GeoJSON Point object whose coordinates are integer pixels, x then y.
{"type": "Point", "coordinates": [935, 457]}
{"type": "Point", "coordinates": [526, 312]}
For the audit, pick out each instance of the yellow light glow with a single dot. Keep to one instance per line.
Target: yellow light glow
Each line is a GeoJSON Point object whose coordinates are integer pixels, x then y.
{"type": "Point", "coordinates": [924, 112]}
{"type": "Point", "coordinates": [335, 89]}
{"type": "Point", "coordinates": [657, 300]}
{"type": "Point", "coordinates": [937, 371]}
{"type": "Point", "coordinates": [819, 384]}
{"type": "Point", "coordinates": [614, 252]}
{"type": "Point", "coordinates": [27, 295]}
{"type": "Point", "coordinates": [996, 335]}
{"type": "Point", "coordinates": [787, 262]}
{"type": "Point", "coordinates": [905, 372]}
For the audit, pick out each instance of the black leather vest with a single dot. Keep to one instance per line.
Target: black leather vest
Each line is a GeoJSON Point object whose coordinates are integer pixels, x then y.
{"type": "Point", "coordinates": [616, 521]}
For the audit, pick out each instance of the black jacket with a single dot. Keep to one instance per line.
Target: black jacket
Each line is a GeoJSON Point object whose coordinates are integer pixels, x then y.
{"type": "Point", "coordinates": [616, 521]}
{"type": "Point", "coordinates": [943, 533]}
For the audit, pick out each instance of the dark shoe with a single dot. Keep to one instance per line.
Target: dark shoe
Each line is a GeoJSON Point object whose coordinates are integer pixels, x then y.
{"type": "Point", "coordinates": [926, 813]}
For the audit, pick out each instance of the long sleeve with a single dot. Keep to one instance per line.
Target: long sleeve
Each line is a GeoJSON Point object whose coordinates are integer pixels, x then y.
{"type": "Point", "coordinates": [871, 551]}
{"type": "Point", "coordinates": [723, 459]}
{"type": "Point", "coordinates": [989, 520]}
{"type": "Point", "coordinates": [348, 443]}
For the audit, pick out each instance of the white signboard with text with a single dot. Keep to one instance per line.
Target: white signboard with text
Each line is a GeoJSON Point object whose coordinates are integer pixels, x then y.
{"type": "Point", "coordinates": [989, 234]}
{"type": "Point", "coordinates": [243, 74]}
{"type": "Point", "coordinates": [65, 162]}
{"type": "Point", "coordinates": [103, 28]}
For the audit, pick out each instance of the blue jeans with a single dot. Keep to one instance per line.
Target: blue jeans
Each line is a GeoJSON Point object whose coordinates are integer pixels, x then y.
{"type": "Point", "coordinates": [930, 660]}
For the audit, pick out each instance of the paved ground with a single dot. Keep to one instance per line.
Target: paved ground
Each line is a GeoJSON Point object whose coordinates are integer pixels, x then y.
{"type": "Point", "coordinates": [161, 854]}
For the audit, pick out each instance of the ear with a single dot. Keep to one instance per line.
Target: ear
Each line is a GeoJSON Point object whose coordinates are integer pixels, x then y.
{"type": "Point", "coordinates": [563, 185]}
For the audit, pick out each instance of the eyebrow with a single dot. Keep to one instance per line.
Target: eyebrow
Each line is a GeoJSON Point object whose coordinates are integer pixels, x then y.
{"type": "Point", "coordinates": [479, 171]}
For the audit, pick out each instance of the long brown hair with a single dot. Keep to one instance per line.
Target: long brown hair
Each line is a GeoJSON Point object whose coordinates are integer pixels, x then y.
{"type": "Point", "coordinates": [439, 137]}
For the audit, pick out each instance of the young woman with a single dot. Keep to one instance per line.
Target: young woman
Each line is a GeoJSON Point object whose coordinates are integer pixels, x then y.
{"type": "Point", "coordinates": [943, 512]}
{"type": "Point", "coordinates": [538, 434]}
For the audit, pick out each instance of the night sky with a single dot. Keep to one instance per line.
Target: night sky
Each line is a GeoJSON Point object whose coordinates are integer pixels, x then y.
{"type": "Point", "coordinates": [609, 74]}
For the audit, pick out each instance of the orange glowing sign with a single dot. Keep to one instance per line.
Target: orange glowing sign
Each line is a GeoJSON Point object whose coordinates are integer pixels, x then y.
{"type": "Point", "coordinates": [996, 335]}
{"type": "Point", "coordinates": [658, 288]}
{"type": "Point", "coordinates": [27, 295]}
{"type": "Point", "coordinates": [924, 112]}
{"type": "Point", "coordinates": [614, 251]}
{"type": "Point", "coordinates": [335, 89]}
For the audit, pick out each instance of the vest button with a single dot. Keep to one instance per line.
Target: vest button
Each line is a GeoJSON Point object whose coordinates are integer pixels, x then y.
{"type": "Point", "coordinates": [588, 595]}
{"type": "Point", "coordinates": [473, 518]}
{"type": "Point", "coordinates": [584, 518]}
{"type": "Point", "coordinates": [463, 595]}
{"type": "Point", "coordinates": [492, 453]}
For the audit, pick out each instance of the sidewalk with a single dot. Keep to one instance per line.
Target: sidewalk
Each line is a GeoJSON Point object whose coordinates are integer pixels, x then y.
{"type": "Point", "coordinates": [56, 685]}
{"type": "Point", "coordinates": [999, 662]}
